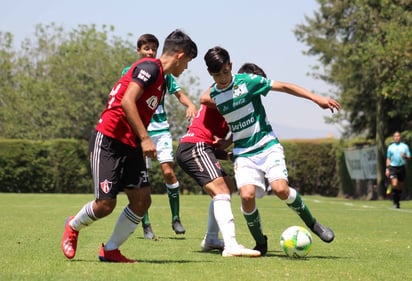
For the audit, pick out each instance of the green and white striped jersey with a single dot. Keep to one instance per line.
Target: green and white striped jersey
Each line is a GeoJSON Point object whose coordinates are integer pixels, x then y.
{"type": "Point", "coordinates": [158, 123]}
{"type": "Point", "coordinates": [241, 106]}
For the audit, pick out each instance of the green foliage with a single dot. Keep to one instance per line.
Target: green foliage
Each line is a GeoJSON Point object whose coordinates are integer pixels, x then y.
{"type": "Point", "coordinates": [58, 84]}
{"type": "Point", "coordinates": [62, 166]}
{"type": "Point", "coordinates": [365, 232]}
{"type": "Point", "coordinates": [365, 50]}
{"type": "Point", "coordinates": [312, 166]}
{"type": "Point", "coordinates": [44, 166]}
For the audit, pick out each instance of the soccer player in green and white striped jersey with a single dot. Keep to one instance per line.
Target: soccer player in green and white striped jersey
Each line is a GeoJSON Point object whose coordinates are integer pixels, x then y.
{"type": "Point", "coordinates": [257, 151]}
{"type": "Point", "coordinates": [159, 132]}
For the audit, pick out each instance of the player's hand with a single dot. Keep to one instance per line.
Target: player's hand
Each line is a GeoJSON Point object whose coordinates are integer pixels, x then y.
{"type": "Point", "coordinates": [328, 103]}
{"type": "Point", "coordinates": [221, 143]}
{"type": "Point", "coordinates": [148, 148]}
{"type": "Point", "coordinates": [190, 112]}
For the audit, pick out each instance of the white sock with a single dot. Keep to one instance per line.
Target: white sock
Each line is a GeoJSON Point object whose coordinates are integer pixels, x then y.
{"type": "Point", "coordinates": [84, 217]}
{"type": "Point", "coordinates": [225, 219]}
{"type": "Point", "coordinates": [125, 226]}
{"type": "Point", "coordinates": [212, 227]}
{"type": "Point", "coordinates": [292, 196]}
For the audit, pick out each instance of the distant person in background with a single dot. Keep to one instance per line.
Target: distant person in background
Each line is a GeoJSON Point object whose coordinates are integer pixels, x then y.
{"type": "Point", "coordinates": [257, 152]}
{"type": "Point", "coordinates": [147, 45]}
{"type": "Point", "coordinates": [396, 156]}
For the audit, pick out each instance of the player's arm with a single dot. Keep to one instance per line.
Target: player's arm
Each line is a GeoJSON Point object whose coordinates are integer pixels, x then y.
{"type": "Point", "coordinates": [133, 93]}
{"type": "Point", "coordinates": [190, 107]}
{"type": "Point", "coordinates": [297, 91]}
{"type": "Point", "coordinates": [207, 100]}
{"type": "Point", "coordinates": [406, 154]}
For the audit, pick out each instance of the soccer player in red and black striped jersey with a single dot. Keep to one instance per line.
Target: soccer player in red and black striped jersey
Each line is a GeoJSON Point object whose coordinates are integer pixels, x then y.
{"type": "Point", "coordinates": [120, 144]}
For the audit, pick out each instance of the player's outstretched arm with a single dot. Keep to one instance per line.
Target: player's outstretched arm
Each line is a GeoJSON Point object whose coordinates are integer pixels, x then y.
{"type": "Point", "coordinates": [323, 102]}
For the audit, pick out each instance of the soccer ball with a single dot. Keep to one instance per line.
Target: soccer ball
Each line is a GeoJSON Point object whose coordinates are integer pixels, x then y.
{"type": "Point", "coordinates": [296, 241]}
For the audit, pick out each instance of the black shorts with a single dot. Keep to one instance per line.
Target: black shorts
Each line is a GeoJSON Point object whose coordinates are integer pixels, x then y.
{"type": "Point", "coordinates": [115, 166]}
{"type": "Point", "coordinates": [398, 172]}
{"type": "Point", "coordinates": [199, 162]}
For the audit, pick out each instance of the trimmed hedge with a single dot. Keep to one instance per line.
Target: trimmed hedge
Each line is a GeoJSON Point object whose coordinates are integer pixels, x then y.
{"type": "Point", "coordinates": [62, 166]}
{"type": "Point", "coordinates": [59, 166]}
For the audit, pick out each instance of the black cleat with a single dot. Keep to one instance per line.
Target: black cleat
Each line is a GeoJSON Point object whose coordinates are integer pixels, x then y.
{"type": "Point", "coordinates": [178, 227]}
{"type": "Point", "coordinates": [148, 232]}
{"type": "Point", "coordinates": [325, 234]}
{"type": "Point", "coordinates": [262, 248]}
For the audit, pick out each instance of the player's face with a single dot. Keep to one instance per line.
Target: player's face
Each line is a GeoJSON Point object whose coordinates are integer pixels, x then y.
{"type": "Point", "coordinates": [181, 64]}
{"type": "Point", "coordinates": [397, 137]}
{"type": "Point", "coordinates": [223, 78]}
{"type": "Point", "coordinates": [148, 50]}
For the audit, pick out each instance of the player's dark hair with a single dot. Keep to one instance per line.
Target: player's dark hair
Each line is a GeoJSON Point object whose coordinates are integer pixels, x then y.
{"type": "Point", "coordinates": [178, 41]}
{"type": "Point", "coordinates": [252, 69]}
{"type": "Point", "coordinates": [215, 58]}
{"type": "Point", "coordinates": [145, 39]}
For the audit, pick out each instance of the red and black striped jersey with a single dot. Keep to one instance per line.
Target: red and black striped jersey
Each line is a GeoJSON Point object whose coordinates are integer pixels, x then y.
{"type": "Point", "coordinates": [207, 123]}
{"type": "Point", "coordinates": [146, 72]}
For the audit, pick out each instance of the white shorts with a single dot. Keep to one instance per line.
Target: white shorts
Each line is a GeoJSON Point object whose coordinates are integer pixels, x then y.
{"type": "Point", "coordinates": [164, 147]}
{"type": "Point", "coordinates": [254, 169]}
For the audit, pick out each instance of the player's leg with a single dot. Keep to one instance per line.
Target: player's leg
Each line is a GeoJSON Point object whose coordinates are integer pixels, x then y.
{"type": "Point", "coordinates": [165, 156]}
{"type": "Point", "coordinates": [252, 217]}
{"type": "Point", "coordinates": [248, 178]}
{"type": "Point", "coordinates": [136, 181]}
{"type": "Point", "coordinates": [173, 192]}
{"type": "Point", "coordinates": [275, 165]}
{"type": "Point", "coordinates": [104, 165]}
{"type": "Point", "coordinates": [397, 176]}
{"type": "Point", "coordinates": [198, 160]}
{"type": "Point", "coordinates": [211, 239]}
{"type": "Point", "coordinates": [147, 227]}
{"type": "Point", "coordinates": [222, 211]}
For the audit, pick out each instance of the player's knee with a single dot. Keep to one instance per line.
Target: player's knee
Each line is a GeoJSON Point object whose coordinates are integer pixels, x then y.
{"type": "Point", "coordinates": [168, 173]}
{"type": "Point", "coordinates": [104, 208]}
{"type": "Point", "coordinates": [281, 190]}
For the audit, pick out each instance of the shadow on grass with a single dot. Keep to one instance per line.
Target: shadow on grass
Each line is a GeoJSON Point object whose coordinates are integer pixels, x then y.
{"type": "Point", "coordinates": [280, 254]}
{"type": "Point", "coordinates": [141, 261]}
{"type": "Point", "coordinates": [177, 237]}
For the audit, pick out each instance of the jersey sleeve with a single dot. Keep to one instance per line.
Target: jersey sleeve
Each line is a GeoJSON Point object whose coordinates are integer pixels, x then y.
{"type": "Point", "coordinates": [408, 152]}
{"type": "Point", "coordinates": [259, 85]}
{"type": "Point", "coordinates": [145, 73]}
{"type": "Point", "coordinates": [171, 85]}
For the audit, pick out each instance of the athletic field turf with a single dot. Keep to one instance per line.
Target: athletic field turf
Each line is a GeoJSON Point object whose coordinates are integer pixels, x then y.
{"type": "Point", "coordinates": [373, 242]}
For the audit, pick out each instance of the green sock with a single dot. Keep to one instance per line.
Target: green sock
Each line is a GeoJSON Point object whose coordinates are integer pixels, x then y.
{"type": "Point", "coordinates": [302, 210]}
{"type": "Point", "coordinates": [253, 223]}
{"type": "Point", "coordinates": [173, 194]}
{"type": "Point", "coordinates": [145, 220]}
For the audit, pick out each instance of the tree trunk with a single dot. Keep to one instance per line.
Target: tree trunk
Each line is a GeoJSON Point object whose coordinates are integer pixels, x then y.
{"type": "Point", "coordinates": [380, 145]}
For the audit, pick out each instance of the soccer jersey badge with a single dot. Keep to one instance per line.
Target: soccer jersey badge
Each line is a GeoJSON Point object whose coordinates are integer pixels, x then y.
{"type": "Point", "coordinates": [105, 186]}
{"type": "Point", "coordinates": [239, 90]}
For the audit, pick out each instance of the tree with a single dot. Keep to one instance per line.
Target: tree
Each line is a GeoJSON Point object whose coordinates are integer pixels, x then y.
{"type": "Point", "coordinates": [57, 83]}
{"type": "Point", "coordinates": [365, 50]}
{"type": "Point", "coordinates": [60, 81]}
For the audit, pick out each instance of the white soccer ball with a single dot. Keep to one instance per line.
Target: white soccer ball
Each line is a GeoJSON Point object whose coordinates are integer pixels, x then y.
{"type": "Point", "coordinates": [296, 241]}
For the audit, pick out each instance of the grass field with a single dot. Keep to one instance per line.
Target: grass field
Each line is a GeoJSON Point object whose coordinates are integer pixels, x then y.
{"type": "Point", "coordinates": [373, 242]}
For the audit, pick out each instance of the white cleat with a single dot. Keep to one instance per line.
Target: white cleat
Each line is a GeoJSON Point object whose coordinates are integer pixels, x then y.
{"type": "Point", "coordinates": [240, 251]}
{"type": "Point", "coordinates": [208, 245]}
